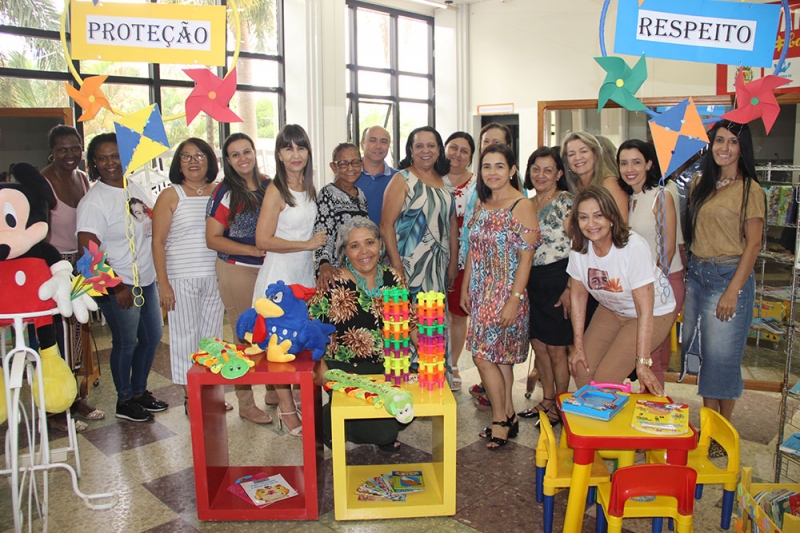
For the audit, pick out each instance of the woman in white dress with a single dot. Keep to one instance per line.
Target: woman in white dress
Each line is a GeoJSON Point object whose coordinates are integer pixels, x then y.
{"type": "Point", "coordinates": [286, 231]}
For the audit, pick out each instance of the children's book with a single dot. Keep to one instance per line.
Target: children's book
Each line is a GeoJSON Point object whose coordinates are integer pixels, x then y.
{"type": "Point", "coordinates": [407, 481]}
{"type": "Point", "coordinates": [595, 402]}
{"type": "Point", "coordinates": [792, 444]}
{"type": "Point", "coordinates": [658, 418]}
{"type": "Point", "coordinates": [262, 490]}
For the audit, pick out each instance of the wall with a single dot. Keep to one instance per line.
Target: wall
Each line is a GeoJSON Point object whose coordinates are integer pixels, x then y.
{"type": "Point", "coordinates": [524, 51]}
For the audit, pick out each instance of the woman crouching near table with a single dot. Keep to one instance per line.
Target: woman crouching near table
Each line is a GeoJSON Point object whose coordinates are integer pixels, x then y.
{"type": "Point", "coordinates": [614, 265]}
{"type": "Point", "coordinates": [354, 305]}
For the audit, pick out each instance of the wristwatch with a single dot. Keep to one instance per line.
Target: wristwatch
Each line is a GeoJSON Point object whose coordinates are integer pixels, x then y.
{"type": "Point", "coordinates": [517, 294]}
{"type": "Point", "coordinates": [645, 361]}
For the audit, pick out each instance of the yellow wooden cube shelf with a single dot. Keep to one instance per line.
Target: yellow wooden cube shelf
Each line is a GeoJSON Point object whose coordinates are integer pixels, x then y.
{"type": "Point", "coordinates": [439, 496]}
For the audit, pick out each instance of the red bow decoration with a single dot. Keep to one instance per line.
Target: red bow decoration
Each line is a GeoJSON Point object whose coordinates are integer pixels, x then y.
{"type": "Point", "coordinates": [756, 99]}
{"type": "Point", "coordinates": [212, 95]}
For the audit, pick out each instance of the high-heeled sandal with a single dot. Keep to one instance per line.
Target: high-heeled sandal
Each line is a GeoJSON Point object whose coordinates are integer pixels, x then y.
{"type": "Point", "coordinates": [497, 441]}
{"type": "Point", "coordinates": [530, 383]}
{"type": "Point", "coordinates": [513, 431]}
{"type": "Point", "coordinates": [533, 412]}
{"type": "Point", "coordinates": [553, 415]}
{"type": "Point", "coordinates": [296, 432]}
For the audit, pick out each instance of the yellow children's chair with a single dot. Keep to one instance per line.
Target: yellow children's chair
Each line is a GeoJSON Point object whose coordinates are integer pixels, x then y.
{"type": "Point", "coordinates": [713, 424]}
{"type": "Point", "coordinates": [647, 491]}
{"type": "Point", "coordinates": [558, 472]}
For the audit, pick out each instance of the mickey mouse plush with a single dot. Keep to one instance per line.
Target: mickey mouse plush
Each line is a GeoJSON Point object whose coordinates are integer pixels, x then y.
{"type": "Point", "coordinates": [33, 277]}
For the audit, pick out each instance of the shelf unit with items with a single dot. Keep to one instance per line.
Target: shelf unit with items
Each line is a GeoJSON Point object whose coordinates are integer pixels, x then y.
{"type": "Point", "coordinates": [774, 313]}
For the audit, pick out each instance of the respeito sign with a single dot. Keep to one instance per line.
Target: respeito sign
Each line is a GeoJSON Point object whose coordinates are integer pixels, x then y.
{"type": "Point", "coordinates": [732, 33]}
{"type": "Point", "coordinates": [152, 33]}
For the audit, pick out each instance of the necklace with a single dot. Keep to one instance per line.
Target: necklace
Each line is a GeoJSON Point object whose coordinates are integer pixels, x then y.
{"type": "Point", "coordinates": [541, 204]}
{"type": "Point", "coordinates": [726, 181]}
{"type": "Point", "coordinates": [198, 191]}
{"type": "Point", "coordinates": [361, 282]}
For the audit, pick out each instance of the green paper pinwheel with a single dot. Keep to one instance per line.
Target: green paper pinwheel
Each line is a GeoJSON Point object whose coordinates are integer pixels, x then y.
{"type": "Point", "coordinates": [621, 82]}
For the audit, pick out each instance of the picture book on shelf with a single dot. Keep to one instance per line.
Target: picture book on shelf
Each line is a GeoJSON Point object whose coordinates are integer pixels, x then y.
{"type": "Point", "coordinates": [407, 481]}
{"type": "Point", "coordinates": [262, 489]}
{"type": "Point", "coordinates": [392, 486]}
{"type": "Point", "coordinates": [792, 444]}
{"type": "Point", "coordinates": [661, 418]}
{"type": "Point", "coordinates": [595, 402]}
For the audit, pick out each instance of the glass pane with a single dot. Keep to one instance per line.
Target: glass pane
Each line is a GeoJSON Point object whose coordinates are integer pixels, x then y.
{"type": "Point", "coordinates": [411, 116]}
{"type": "Point", "coordinates": [413, 47]}
{"type": "Point", "coordinates": [373, 39]}
{"type": "Point", "coordinates": [374, 83]}
{"type": "Point", "coordinates": [260, 114]}
{"type": "Point", "coordinates": [413, 87]}
{"type": "Point", "coordinates": [175, 71]}
{"type": "Point", "coordinates": [124, 99]}
{"type": "Point", "coordinates": [173, 102]}
{"type": "Point", "coordinates": [260, 72]}
{"type": "Point", "coordinates": [45, 16]}
{"type": "Point", "coordinates": [257, 21]}
{"type": "Point", "coordinates": [114, 68]}
{"type": "Point", "coordinates": [16, 92]}
{"type": "Point", "coordinates": [30, 53]}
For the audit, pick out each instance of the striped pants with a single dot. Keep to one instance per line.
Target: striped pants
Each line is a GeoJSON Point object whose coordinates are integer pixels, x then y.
{"type": "Point", "coordinates": [198, 313]}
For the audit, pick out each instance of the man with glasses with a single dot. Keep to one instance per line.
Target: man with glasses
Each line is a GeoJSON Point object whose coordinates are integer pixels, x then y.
{"type": "Point", "coordinates": [375, 173]}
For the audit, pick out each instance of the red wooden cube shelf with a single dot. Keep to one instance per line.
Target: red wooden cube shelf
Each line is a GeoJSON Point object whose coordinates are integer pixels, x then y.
{"type": "Point", "coordinates": [213, 472]}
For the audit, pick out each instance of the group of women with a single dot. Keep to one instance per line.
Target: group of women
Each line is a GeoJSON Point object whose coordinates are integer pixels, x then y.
{"type": "Point", "coordinates": [593, 260]}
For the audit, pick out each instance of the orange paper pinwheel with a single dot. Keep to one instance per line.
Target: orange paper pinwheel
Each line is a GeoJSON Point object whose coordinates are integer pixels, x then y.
{"type": "Point", "coordinates": [89, 97]}
{"type": "Point", "coordinates": [756, 99]}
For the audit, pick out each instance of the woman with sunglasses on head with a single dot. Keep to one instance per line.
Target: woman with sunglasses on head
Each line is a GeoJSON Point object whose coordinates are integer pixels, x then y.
{"type": "Point", "coordinates": [187, 278]}
{"type": "Point", "coordinates": [724, 227]}
{"type": "Point", "coordinates": [337, 203]}
{"type": "Point", "coordinates": [231, 216]}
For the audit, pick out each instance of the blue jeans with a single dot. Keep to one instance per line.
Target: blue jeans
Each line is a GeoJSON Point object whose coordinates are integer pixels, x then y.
{"type": "Point", "coordinates": [712, 348]}
{"type": "Point", "coordinates": [135, 335]}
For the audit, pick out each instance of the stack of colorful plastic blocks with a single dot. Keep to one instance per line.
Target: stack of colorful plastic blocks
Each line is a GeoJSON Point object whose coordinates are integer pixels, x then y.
{"type": "Point", "coordinates": [396, 360]}
{"type": "Point", "coordinates": [432, 341]}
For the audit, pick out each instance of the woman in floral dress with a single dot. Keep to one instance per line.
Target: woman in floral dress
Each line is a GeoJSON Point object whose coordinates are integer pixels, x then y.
{"type": "Point", "coordinates": [354, 305]}
{"type": "Point", "coordinates": [502, 237]}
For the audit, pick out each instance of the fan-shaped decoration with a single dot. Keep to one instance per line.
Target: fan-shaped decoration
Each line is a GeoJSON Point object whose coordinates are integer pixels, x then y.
{"type": "Point", "coordinates": [212, 95]}
{"type": "Point", "coordinates": [90, 97]}
{"type": "Point", "coordinates": [756, 99]}
{"type": "Point", "coordinates": [621, 82]}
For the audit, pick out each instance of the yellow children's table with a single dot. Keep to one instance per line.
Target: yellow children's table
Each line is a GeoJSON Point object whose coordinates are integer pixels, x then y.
{"type": "Point", "coordinates": [439, 496]}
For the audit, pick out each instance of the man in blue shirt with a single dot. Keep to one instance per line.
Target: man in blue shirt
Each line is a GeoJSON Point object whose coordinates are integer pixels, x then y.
{"type": "Point", "coordinates": [375, 173]}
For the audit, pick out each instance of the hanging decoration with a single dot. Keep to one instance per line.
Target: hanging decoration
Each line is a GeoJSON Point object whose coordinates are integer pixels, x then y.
{"type": "Point", "coordinates": [621, 82]}
{"type": "Point", "coordinates": [678, 134]}
{"type": "Point", "coordinates": [212, 95]}
{"type": "Point", "coordinates": [140, 137]}
{"type": "Point", "coordinates": [90, 97]}
{"type": "Point", "coordinates": [756, 100]}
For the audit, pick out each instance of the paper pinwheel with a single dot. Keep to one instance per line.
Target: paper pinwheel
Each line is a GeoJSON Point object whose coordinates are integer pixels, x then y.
{"type": "Point", "coordinates": [94, 274]}
{"type": "Point", "coordinates": [89, 97]}
{"type": "Point", "coordinates": [621, 82]}
{"type": "Point", "coordinates": [756, 99]}
{"type": "Point", "coordinates": [678, 133]}
{"type": "Point", "coordinates": [212, 95]}
{"type": "Point", "coordinates": [140, 137]}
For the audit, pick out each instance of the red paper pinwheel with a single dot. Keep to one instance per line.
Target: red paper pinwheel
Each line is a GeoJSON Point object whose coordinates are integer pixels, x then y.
{"type": "Point", "coordinates": [756, 99]}
{"type": "Point", "coordinates": [89, 97]}
{"type": "Point", "coordinates": [212, 95]}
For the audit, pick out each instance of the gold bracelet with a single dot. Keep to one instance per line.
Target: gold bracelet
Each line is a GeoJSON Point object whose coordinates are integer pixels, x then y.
{"type": "Point", "coordinates": [645, 361]}
{"type": "Point", "coordinates": [517, 294]}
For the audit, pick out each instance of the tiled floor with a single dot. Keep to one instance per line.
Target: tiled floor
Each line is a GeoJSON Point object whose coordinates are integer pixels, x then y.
{"type": "Point", "coordinates": [150, 466]}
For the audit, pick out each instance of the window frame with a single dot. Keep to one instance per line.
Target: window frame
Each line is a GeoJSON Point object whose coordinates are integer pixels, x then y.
{"type": "Point", "coordinates": [394, 99]}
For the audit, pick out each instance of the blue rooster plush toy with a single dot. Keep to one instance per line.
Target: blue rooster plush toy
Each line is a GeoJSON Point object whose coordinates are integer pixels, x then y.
{"type": "Point", "coordinates": [279, 323]}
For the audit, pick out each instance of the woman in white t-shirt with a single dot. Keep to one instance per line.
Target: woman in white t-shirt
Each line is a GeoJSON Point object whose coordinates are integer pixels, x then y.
{"type": "Point", "coordinates": [132, 308]}
{"type": "Point", "coordinates": [614, 265]}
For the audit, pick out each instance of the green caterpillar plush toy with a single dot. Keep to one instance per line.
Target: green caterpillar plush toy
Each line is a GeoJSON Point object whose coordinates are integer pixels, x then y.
{"type": "Point", "coordinates": [222, 358]}
{"type": "Point", "coordinates": [396, 401]}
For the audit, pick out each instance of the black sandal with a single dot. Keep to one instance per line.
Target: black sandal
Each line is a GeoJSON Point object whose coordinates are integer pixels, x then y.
{"type": "Point", "coordinates": [533, 412]}
{"type": "Point", "coordinates": [497, 441]}
{"type": "Point", "coordinates": [486, 433]}
{"type": "Point", "coordinates": [553, 416]}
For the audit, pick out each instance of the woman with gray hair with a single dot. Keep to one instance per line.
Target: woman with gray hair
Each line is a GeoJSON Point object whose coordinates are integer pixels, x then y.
{"type": "Point", "coordinates": [353, 304]}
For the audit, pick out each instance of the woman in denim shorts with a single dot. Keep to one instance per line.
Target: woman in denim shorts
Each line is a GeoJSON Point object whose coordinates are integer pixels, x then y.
{"type": "Point", "coordinates": [725, 221]}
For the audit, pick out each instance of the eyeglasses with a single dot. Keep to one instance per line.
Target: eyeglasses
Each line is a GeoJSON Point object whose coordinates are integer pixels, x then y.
{"type": "Point", "coordinates": [187, 158]}
{"type": "Point", "coordinates": [355, 163]}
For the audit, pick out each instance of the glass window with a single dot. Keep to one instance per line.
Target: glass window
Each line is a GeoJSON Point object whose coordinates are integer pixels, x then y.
{"type": "Point", "coordinates": [22, 92]}
{"type": "Point", "coordinates": [258, 25]}
{"type": "Point", "coordinates": [414, 45]}
{"type": "Point", "coordinates": [398, 44]}
{"type": "Point", "coordinates": [261, 73]}
{"type": "Point", "coordinates": [261, 122]}
{"type": "Point", "coordinates": [31, 53]}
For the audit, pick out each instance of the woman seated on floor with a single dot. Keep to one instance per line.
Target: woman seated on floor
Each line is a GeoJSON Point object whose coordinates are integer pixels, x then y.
{"type": "Point", "coordinates": [353, 304]}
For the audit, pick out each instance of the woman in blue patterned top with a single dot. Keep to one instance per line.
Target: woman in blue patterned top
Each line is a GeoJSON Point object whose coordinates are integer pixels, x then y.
{"type": "Point", "coordinates": [231, 218]}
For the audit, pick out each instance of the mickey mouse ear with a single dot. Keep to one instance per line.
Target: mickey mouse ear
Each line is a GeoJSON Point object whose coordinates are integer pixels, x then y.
{"type": "Point", "coordinates": [30, 178]}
